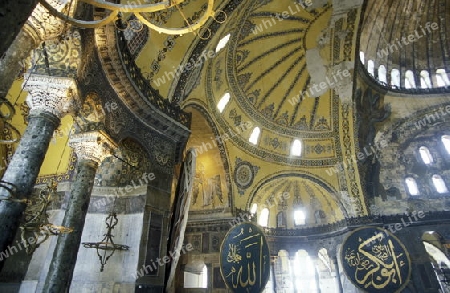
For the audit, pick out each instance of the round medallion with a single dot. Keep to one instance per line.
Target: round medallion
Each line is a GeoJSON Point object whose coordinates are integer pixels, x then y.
{"type": "Point", "coordinates": [245, 259]}
{"type": "Point", "coordinates": [244, 175]}
{"type": "Point", "coordinates": [375, 260]}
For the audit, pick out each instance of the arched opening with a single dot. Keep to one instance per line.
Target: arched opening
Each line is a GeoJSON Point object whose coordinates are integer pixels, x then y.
{"type": "Point", "coordinates": [425, 81]}
{"type": "Point", "coordinates": [411, 186]}
{"type": "Point", "coordinates": [446, 142]}
{"type": "Point", "coordinates": [382, 74]}
{"type": "Point", "coordinates": [196, 278]}
{"type": "Point", "coordinates": [371, 67]}
{"type": "Point", "coordinates": [425, 155]}
{"type": "Point", "coordinates": [296, 149]}
{"type": "Point", "coordinates": [328, 277]}
{"type": "Point", "coordinates": [433, 243]}
{"type": "Point", "coordinates": [439, 184]}
{"type": "Point", "coordinates": [223, 102]}
{"type": "Point", "coordinates": [299, 217]}
{"type": "Point", "coordinates": [395, 78]}
{"type": "Point", "coordinates": [410, 82]}
{"type": "Point", "coordinates": [362, 57]}
{"type": "Point", "coordinates": [282, 271]}
{"type": "Point", "coordinates": [442, 78]}
{"type": "Point", "coordinates": [305, 274]}
{"type": "Point", "coordinates": [255, 136]}
{"type": "Point", "coordinates": [263, 219]}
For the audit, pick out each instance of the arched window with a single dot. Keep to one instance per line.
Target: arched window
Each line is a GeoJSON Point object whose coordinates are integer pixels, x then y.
{"type": "Point", "coordinates": [395, 78]}
{"type": "Point", "coordinates": [296, 149]}
{"type": "Point", "coordinates": [223, 102]}
{"type": "Point", "coordinates": [254, 208]}
{"type": "Point", "coordinates": [371, 67]}
{"type": "Point", "coordinates": [411, 185]}
{"type": "Point", "coordinates": [281, 219]}
{"type": "Point", "coordinates": [446, 141]}
{"type": "Point", "coordinates": [425, 154]}
{"type": "Point", "coordinates": [222, 43]}
{"type": "Point", "coordinates": [439, 184]}
{"type": "Point", "coordinates": [425, 81]}
{"type": "Point", "coordinates": [410, 82]}
{"type": "Point", "coordinates": [299, 218]}
{"type": "Point", "coordinates": [264, 218]}
{"type": "Point", "coordinates": [196, 279]}
{"type": "Point", "coordinates": [305, 275]}
{"type": "Point", "coordinates": [254, 136]}
{"type": "Point", "coordinates": [382, 77]}
{"type": "Point", "coordinates": [442, 78]}
{"type": "Point", "coordinates": [362, 57]}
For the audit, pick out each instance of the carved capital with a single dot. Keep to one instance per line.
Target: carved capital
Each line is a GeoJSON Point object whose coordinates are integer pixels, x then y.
{"type": "Point", "coordinates": [57, 95]}
{"type": "Point", "coordinates": [93, 145]}
{"type": "Point", "coordinates": [41, 25]}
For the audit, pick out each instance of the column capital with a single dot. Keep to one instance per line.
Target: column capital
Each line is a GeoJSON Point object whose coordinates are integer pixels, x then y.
{"type": "Point", "coordinates": [57, 95]}
{"type": "Point", "coordinates": [41, 25]}
{"type": "Point", "coordinates": [92, 145]}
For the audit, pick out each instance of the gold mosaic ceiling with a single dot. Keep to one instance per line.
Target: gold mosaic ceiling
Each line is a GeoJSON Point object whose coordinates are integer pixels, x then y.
{"type": "Point", "coordinates": [275, 53]}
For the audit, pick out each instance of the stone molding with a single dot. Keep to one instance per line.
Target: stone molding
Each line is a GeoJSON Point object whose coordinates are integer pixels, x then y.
{"type": "Point", "coordinates": [41, 25]}
{"type": "Point", "coordinates": [56, 95]}
{"type": "Point", "coordinates": [92, 145]}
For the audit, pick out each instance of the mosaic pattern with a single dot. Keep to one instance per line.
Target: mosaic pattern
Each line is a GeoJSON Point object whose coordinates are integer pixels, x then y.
{"type": "Point", "coordinates": [244, 174]}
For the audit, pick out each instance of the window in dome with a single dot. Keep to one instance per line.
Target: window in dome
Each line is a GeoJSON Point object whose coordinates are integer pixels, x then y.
{"type": "Point", "coordinates": [296, 149]}
{"type": "Point", "coordinates": [264, 218]}
{"type": "Point", "coordinates": [439, 184]}
{"type": "Point", "coordinates": [222, 43]}
{"type": "Point", "coordinates": [410, 82]}
{"type": "Point", "coordinates": [223, 102]}
{"type": "Point", "coordinates": [254, 136]}
{"type": "Point", "coordinates": [382, 74]}
{"type": "Point", "coordinates": [442, 78]}
{"type": "Point", "coordinates": [299, 218]}
{"type": "Point", "coordinates": [362, 57]}
{"type": "Point", "coordinates": [425, 154]}
{"type": "Point", "coordinates": [425, 81]}
{"type": "Point", "coordinates": [411, 184]}
{"type": "Point", "coordinates": [371, 68]}
{"type": "Point", "coordinates": [395, 78]}
{"type": "Point", "coordinates": [446, 141]}
{"type": "Point", "coordinates": [254, 208]}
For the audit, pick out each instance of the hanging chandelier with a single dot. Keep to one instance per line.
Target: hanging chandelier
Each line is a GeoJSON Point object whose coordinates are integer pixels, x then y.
{"type": "Point", "coordinates": [106, 247]}
{"type": "Point", "coordinates": [116, 10]}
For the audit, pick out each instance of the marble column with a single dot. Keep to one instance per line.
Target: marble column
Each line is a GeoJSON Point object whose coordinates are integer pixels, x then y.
{"type": "Point", "coordinates": [49, 99]}
{"type": "Point", "coordinates": [39, 27]}
{"type": "Point", "coordinates": [91, 148]}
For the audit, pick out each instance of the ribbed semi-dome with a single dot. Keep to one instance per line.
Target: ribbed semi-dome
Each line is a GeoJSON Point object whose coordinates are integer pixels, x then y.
{"type": "Point", "coordinates": [405, 45]}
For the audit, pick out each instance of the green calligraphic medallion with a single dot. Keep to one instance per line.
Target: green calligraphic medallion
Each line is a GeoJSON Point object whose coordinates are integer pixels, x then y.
{"type": "Point", "coordinates": [375, 260]}
{"type": "Point", "coordinates": [245, 259]}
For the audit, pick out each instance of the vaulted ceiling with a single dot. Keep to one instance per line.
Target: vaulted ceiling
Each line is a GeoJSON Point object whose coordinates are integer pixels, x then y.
{"type": "Point", "coordinates": [287, 67]}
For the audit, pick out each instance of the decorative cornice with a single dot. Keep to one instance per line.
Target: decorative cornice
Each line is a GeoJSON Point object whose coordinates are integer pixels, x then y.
{"type": "Point", "coordinates": [93, 145]}
{"type": "Point", "coordinates": [56, 95]}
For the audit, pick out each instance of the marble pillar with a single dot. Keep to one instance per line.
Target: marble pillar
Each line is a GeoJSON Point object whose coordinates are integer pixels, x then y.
{"type": "Point", "coordinates": [91, 148]}
{"type": "Point", "coordinates": [49, 99]}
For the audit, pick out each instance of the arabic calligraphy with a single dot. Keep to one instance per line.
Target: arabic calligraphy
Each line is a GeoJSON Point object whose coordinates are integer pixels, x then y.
{"type": "Point", "coordinates": [245, 259]}
{"type": "Point", "coordinates": [375, 260]}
